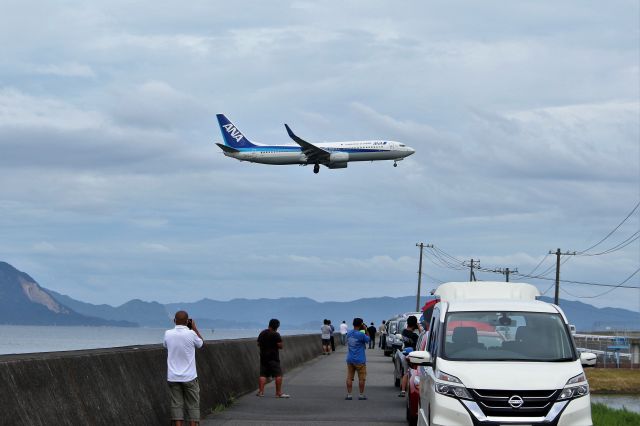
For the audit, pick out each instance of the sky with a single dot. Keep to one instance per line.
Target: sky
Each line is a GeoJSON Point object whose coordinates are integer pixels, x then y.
{"type": "Point", "coordinates": [525, 118]}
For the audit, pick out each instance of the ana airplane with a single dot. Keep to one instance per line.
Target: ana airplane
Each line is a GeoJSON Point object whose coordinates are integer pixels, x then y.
{"type": "Point", "coordinates": [334, 155]}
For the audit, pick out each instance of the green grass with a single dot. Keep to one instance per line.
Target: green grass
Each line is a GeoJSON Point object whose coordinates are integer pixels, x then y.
{"type": "Point", "coordinates": [605, 416]}
{"type": "Point", "coordinates": [221, 407]}
{"type": "Point", "coordinates": [613, 380]}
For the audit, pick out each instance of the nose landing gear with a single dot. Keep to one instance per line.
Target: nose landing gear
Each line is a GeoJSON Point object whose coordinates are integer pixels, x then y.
{"type": "Point", "coordinates": [316, 168]}
{"type": "Point", "coordinates": [395, 164]}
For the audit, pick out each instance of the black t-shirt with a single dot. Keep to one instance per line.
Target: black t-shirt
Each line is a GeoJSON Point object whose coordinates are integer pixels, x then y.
{"type": "Point", "coordinates": [372, 331]}
{"type": "Point", "coordinates": [268, 341]}
{"type": "Point", "coordinates": [410, 338]}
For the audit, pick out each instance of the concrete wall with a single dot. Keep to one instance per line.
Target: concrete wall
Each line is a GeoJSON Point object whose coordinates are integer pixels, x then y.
{"type": "Point", "coordinates": [128, 385]}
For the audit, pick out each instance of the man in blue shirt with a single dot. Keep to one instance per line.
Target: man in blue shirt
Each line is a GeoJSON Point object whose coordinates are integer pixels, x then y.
{"type": "Point", "coordinates": [357, 340]}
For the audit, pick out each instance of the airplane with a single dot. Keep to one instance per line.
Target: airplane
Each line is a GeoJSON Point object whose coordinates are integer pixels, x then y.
{"type": "Point", "coordinates": [334, 155]}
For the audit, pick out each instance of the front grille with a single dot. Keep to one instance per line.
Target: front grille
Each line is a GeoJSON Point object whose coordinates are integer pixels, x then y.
{"type": "Point", "coordinates": [535, 403]}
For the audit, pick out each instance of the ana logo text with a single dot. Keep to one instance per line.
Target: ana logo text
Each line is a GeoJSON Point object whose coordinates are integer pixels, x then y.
{"type": "Point", "coordinates": [233, 132]}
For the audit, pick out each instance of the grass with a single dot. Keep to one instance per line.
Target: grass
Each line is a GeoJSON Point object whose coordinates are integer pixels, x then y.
{"type": "Point", "coordinates": [605, 416]}
{"type": "Point", "coordinates": [221, 407]}
{"type": "Point", "coordinates": [613, 380]}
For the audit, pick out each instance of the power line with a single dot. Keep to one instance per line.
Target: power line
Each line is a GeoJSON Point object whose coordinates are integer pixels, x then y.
{"type": "Point", "coordinates": [617, 247]}
{"type": "Point", "coordinates": [607, 291]}
{"type": "Point", "coordinates": [577, 282]}
{"type": "Point", "coordinates": [614, 230]}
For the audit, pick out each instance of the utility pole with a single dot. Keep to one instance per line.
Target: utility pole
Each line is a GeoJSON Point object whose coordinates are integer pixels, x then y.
{"type": "Point", "coordinates": [505, 272]}
{"type": "Point", "coordinates": [558, 253]}
{"type": "Point", "coordinates": [473, 264]}
{"type": "Point", "coordinates": [422, 246]}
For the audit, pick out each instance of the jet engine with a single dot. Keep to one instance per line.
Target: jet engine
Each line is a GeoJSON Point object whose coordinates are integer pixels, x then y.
{"type": "Point", "coordinates": [339, 157]}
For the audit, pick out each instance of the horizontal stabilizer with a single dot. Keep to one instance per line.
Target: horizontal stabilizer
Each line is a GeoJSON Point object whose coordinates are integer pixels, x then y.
{"type": "Point", "coordinates": [228, 149]}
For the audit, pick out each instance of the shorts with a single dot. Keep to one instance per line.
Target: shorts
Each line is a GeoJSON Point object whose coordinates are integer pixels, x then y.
{"type": "Point", "coordinates": [185, 397]}
{"type": "Point", "coordinates": [360, 368]}
{"type": "Point", "coordinates": [270, 369]}
{"type": "Point", "coordinates": [326, 342]}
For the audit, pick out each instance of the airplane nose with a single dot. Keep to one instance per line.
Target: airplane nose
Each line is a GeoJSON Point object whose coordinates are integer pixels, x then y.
{"type": "Point", "coordinates": [411, 151]}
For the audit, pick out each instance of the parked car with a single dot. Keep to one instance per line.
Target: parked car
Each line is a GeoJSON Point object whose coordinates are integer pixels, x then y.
{"type": "Point", "coordinates": [392, 327]}
{"type": "Point", "coordinates": [496, 355]}
{"type": "Point", "coordinates": [413, 391]}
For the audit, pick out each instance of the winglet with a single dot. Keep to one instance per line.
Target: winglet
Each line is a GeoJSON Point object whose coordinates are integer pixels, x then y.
{"type": "Point", "coordinates": [291, 134]}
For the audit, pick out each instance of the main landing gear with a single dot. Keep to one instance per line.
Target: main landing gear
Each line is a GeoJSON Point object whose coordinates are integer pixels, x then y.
{"type": "Point", "coordinates": [316, 168]}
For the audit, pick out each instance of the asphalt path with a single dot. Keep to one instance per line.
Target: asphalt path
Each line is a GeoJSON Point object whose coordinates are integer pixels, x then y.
{"type": "Point", "coordinates": [317, 390]}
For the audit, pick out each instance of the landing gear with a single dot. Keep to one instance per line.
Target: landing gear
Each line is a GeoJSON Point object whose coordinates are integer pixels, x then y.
{"type": "Point", "coordinates": [395, 164]}
{"type": "Point", "coordinates": [316, 168]}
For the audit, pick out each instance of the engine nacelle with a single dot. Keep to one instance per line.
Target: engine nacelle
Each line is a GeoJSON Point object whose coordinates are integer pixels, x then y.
{"type": "Point", "coordinates": [337, 165]}
{"type": "Point", "coordinates": [339, 157]}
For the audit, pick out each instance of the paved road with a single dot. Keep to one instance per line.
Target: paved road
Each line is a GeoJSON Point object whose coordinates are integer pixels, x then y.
{"type": "Point", "coordinates": [317, 392]}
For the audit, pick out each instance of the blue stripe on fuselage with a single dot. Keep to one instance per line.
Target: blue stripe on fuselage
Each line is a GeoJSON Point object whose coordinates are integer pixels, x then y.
{"type": "Point", "coordinates": [280, 148]}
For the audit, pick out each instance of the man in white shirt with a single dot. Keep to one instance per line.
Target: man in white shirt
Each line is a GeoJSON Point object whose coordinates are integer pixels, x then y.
{"type": "Point", "coordinates": [343, 333]}
{"type": "Point", "coordinates": [181, 343]}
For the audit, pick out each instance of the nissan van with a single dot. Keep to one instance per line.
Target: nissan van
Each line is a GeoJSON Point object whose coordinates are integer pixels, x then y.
{"type": "Point", "coordinates": [497, 356]}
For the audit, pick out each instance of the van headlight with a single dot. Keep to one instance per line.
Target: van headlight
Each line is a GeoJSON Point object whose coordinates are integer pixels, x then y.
{"type": "Point", "coordinates": [451, 386]}
{"type": "Point", "coordinates": [575, 388]}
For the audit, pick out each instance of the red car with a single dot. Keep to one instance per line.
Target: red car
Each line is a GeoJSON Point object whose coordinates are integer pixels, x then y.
{"type": "Point", "coordinates": [413, 387]}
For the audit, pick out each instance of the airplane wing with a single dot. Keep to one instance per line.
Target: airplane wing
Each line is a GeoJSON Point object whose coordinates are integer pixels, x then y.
{"type": "Point", "coordinates": [314, 154]}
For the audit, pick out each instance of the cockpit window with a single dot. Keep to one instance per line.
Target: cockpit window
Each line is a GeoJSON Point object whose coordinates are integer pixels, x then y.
{"type": "Point", "coordinates": [402, 145]}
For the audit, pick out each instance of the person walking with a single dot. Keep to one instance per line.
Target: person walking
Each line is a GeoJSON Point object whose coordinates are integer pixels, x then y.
{"type": "Point", "coordinates": [325, 331]}
{"type": "Point", "coordinates": [372, 336]}
{"type": "Point", "coordinates": [270, 343]}
{"type": "Point", "coordinates": [184, 390]}
{"type": "Point", "coordinates": [331, 339]}
{"type": "Point", "coordinates": [382, 340]}
{"type": "Point", "coordinates": [357, 340]}
{"type": "Point", "coordinates": [343, 333]}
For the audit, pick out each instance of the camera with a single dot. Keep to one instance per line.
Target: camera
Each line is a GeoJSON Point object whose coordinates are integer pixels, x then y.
{"type": "Point", "coordinates": [190, 323]}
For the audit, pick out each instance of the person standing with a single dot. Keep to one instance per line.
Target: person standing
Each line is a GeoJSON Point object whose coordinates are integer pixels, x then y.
{"type": "Point", "coordinates": [410, 337]}
{"type": "Point", "coordinates": [270, 343]}
{"type": "Point", "coordinates": [382, 340]}
{"type": "Point", "coordinates": [372, 335]}
{"type": "Point", "coordinates": [343, 333]}
{"type": "Point", "coordinates": [181, 343]}
{"type": "Point", "coordinates": [357, 340]}
{"type": "Point", "coordinates": [331, 339]}
{"type": "Point", "coordinates": [325, 335]}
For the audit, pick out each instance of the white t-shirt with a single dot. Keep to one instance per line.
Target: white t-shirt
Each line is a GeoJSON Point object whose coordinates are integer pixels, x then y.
{"type": "Point", "coordinates": [181, 344]}
{"type": "Point", "coordinates": [326, 332]}
{"type": "Point", "coordinates": [343, 328]}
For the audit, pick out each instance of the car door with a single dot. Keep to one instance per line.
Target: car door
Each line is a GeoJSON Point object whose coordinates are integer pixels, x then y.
{"type": "Point", "coordinates": [427, 379]}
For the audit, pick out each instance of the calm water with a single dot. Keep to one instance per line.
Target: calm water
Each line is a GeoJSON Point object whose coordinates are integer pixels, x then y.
{"type": "Point", "coordinates": [16, 339]}
{"type": "Point", "coordinates": [630, 402]}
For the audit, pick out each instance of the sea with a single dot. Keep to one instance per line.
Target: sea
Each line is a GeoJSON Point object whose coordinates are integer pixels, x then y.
{"type": "Point", "coordinates": [20, 339]}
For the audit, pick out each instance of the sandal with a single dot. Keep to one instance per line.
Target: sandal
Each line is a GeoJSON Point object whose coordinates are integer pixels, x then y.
{"type": "Point", "coordinates": [260, 394]}
{"type": "Point", "coordinates": [283, 395]}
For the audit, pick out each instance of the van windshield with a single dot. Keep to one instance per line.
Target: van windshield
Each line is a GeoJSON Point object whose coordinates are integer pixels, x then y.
{"type": "Point", "coordinates": [501, 336]}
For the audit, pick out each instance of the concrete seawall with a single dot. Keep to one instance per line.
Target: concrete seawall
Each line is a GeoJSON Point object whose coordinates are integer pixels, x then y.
{"type": "Point", "coordinates": [128, 385]}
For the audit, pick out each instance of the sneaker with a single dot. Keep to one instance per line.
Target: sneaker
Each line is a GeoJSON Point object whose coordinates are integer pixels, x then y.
{"type": "Point", "coordinates": [402, 394]}
{"type": "Point", "coordinates": [259, 394]}
{"type": "Point", "coordinates": [283, 395]}
{"type": "Point", "coordinates": [349, 397]}
{"type": "Point", "coordinates": [362, 397]}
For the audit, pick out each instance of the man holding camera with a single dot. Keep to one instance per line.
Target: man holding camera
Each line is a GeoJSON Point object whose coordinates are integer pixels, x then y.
{"type": "Point", "coordinates": [181, 343]}
{"type": "Point", "coordinates": [357, 340]}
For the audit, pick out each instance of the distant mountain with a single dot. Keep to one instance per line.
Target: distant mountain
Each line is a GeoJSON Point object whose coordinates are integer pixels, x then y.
{"type": "Point", "coordinates": [589, 318]}
{"type": "Point", "coordinates": [296, 312]}
{"type": "Point", "coordinates": [146, 314]}
{"type": "Point", "coordinates": [24, 302]}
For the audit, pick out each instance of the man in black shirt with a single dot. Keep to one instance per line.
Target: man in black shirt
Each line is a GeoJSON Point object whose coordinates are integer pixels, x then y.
{"type": "Point", "coordinates": [372, 335]}
{"type": "Point", "coordinates": [270, 344]}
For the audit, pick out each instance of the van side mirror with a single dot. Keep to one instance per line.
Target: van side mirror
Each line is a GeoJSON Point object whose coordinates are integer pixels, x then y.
{"type": "Point", "coordinates": [588, 359]}
{"type": "Point", "coordinates": [420, 358]}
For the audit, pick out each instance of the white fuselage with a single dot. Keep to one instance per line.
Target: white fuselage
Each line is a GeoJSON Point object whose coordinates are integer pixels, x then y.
{"type": "Point", "coordinates": [343, 151]}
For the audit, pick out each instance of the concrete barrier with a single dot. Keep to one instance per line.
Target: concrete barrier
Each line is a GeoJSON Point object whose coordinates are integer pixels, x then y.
{"type": "Point", "coordinates": [128, 385]}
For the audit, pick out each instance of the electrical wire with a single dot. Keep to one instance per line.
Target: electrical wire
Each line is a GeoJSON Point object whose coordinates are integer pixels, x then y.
{"type": "Point", "coordinates": [614, 230]}
{"type": "Point", "coordinates": [617, 247]}
{"type": "Point", "coordinates": [578, 282]}
{"type": "Point", "coordinates": [610, 290]}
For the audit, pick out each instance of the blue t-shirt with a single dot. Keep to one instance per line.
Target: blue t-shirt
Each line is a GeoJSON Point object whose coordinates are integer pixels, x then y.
{"type": "Point", "coordinates": [357, 344]}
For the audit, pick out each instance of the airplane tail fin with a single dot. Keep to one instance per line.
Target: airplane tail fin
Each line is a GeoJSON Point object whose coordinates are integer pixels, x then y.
{"type": "Point", "coordinates": [231, 135]}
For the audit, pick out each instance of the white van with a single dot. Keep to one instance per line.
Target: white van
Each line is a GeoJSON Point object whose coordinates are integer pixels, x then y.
{"type": "Point", "coordinates": [497, 356]}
